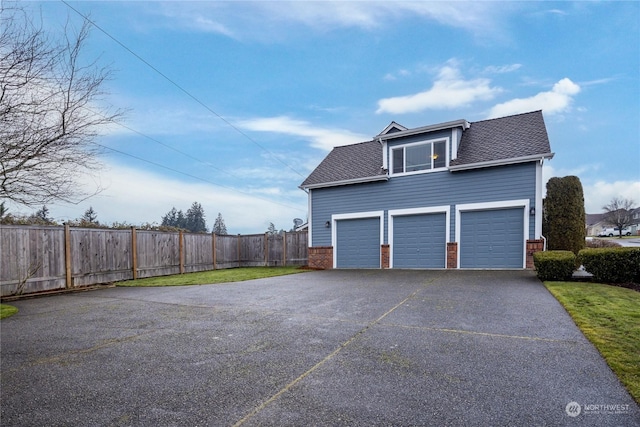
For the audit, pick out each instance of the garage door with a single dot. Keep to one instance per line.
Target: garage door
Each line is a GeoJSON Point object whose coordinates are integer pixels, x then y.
{"type": "Point", "coordinates": [492, 238]}
{"type": "Point", "coordinates": [419, 241]}
{"type": "Point", "coordinates": [358, 243]}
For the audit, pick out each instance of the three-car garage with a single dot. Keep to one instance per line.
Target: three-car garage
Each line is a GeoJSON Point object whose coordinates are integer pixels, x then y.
{"type": "Point", "coordinates": [489, 235]}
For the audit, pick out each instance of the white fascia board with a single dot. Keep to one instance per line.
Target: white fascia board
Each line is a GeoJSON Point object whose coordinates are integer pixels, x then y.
{"type": "Point", "coordinates": [417, 211]}
{"type": "Point", "coordinates": [309, 222]}
{"type": "Point", "coordinates": [454, 144]}
{"type": "Point", "coordinates": [502, 162]}
{"type": "Point", "coordinates": [538, 202]}
{"type": "Point", "coordinates": [431, 128]}
{"type": "Point", "coordinates": [503, 204]}
{"type": "Point", "coordinates": [346, 182]}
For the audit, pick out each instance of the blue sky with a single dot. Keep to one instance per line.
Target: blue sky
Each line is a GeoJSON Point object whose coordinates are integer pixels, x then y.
{"type": "Point", "coordinates": [283, 82]}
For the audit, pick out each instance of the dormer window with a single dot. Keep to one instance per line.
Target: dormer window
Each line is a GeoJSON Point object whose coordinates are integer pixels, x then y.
{"type": "Point", "coordinates": [419, 157]}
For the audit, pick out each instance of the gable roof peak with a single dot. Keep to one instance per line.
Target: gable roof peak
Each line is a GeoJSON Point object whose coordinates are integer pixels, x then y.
{"type": "Point", "coordinates": [392, 128]}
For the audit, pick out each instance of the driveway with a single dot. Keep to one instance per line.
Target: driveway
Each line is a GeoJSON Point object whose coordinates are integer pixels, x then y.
{"type": "Point", "coordinates": [356, 348]}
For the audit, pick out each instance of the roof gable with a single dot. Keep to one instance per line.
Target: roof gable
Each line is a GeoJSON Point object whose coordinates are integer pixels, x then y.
{"type": "Point", "coordinates": [392, 128]}
{"type": "Point", "coordinates": [505, 140]}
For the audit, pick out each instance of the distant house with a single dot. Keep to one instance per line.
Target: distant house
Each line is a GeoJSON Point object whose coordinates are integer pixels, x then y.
{"type": "Point", "coordinates": [450, 195]}
{"type": "Point", "coordinates": [595, 223]}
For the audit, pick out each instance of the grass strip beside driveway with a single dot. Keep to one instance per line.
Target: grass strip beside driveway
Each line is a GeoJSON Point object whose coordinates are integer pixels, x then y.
{"type": "Point", "coordinates": [214, 276]}
{"type": "Point", "coordinates": [7, 310]}
{"type": "Point", "coordinates": [609, 316]}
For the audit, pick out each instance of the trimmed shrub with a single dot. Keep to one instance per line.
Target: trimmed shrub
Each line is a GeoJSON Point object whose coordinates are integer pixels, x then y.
{"type": "Point", "coordinates": [602, 243]}
{"type": "Point", "coordinates": [612, 265]}
{"type": "Point", "coordinates": [554, 265]}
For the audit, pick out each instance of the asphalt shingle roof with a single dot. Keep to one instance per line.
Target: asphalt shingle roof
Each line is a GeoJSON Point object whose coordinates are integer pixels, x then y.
{"type": "Point", "coordinates": [349, 162]}
{"type": "Point", "coordinates": [503, 138]}
{"type": "Point", "coordinates": [491, 140]}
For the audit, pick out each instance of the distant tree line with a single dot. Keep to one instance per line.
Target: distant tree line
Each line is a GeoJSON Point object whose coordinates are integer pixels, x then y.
{"type": "Point", "coordinates": [193, 220]}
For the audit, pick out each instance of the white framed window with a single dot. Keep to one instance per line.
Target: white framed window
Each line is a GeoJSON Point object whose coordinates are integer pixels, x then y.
{"type": "Point", "coordinates": [423, 156]}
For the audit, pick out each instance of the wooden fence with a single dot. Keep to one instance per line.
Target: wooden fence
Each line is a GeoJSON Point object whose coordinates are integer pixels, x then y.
{"type": "Point", "coordinates": [39, 258]}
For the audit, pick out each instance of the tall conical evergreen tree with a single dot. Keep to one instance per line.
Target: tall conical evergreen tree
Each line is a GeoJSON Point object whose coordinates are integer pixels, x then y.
{"type": "Point", "coordinates": [564, 216]}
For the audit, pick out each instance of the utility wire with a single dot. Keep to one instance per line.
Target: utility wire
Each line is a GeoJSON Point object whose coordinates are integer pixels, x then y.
{"type": "Point", "coordinates": [193, 176]}
{"type": "Point", "coordinates": [186, 92]}
{"type": "Point", "coordinates": [171, 148]}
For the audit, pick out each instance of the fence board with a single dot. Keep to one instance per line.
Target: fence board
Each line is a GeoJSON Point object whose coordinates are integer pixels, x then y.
{"type": "Point", "coordinates": [33, 257]}
{"type": "Point", "coordinates": [198, 254]}
{"type": "Point", "coordinates": [158, 253]}
{"type": "Point", "coordinates": [297, 251]}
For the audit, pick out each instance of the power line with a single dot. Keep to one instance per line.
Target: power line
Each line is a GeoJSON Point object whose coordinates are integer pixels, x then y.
{"type": "Point", "coordinates": [176, 150]}
{"type": "Point", "coordinates": [193, 176]}
{"type": "Point", "coordinates": [186, 92]}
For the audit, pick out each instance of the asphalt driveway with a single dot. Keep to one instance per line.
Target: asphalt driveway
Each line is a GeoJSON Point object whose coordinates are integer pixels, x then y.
{"type": "Point", "coordinates": [356, 348]}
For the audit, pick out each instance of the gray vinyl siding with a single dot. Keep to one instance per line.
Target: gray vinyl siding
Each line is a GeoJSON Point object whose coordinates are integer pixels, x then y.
{"type": "Point", "coordinates": [512, 182]}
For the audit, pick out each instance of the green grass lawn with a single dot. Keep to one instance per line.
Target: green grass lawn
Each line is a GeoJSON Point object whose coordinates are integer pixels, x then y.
{"type": "Point", "coordinates": [7, 310]}
{"type": "Point", "coordinates": [213, 276]}
{"type": "Point", "coordinates": [609, 316]}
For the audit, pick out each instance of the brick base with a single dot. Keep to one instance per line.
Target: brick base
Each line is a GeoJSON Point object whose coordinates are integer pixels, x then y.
{"type": "Point", "coordinates": [452, 255]}
{"type": "Point", "coordinates": [321, 257]}
{"type": "Point", "coordinates": [384, 256]}
{"type": "Point", "coordinates": [532, 247]}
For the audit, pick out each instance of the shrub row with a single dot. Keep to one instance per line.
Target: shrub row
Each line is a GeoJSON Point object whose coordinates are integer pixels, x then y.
{"type": "Point", "coordinates": [608, 265]}
{"type": "Point", "coordinates": [612, 265]}
{"type": "Point", "coordinates": [554, 265]}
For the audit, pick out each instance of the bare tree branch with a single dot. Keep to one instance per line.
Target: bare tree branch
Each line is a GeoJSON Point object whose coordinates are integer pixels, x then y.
{"type": "Point", "coordinates": [50, 111]}
{"type": "Point", "coordinates": [618, 213]}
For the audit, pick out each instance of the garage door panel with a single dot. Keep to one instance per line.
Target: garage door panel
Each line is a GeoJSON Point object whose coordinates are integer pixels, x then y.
{"type": "Point", "coordinates": [492, 238]}
{"type": "Point", "coordinates": [358, 243]}
{"type": "Point", "coordinates": [419, 241]}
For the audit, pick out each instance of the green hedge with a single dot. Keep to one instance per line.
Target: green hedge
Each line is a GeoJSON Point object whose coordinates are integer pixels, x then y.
{"type": "Point", "coordinates": [612, 265]}
{"type": "Point", "coordinates": [554, 265]}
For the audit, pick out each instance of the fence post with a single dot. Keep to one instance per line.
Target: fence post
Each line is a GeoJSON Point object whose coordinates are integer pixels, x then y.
{"type": "Point", "coordinates": [284, 249]}
{"type": "Point", "coordinates": [266, 249]}
{"type": "Point", "coordinates": [238, 249]}
{"type": "Point", "coordinates": [67, 256]}
{"type": "Point", "coordinates": [134, 253]}
{"type": "Point", "coordinates": [213, 247]}
{"type": "Point", "coordinates": [181, 251]}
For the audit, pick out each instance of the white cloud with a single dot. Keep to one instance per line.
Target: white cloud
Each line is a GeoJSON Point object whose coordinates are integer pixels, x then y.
{"type": "Point", "coordinates": [557, 100]}
{"type": "Point", "coordinates": [322, 138]}
{"type": "Point", "coordinates": [597, 193]}
{"type": "Point", "coordinates": [600, 193]}
{"type": "Point", "coordinates": [502, 69]}
{"type": "Point", "coordinates": [449, 91]}
{"type": "Point", "coordinates": [257, 19]}
{"type": "Point", "coordinates": [136, 196]}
